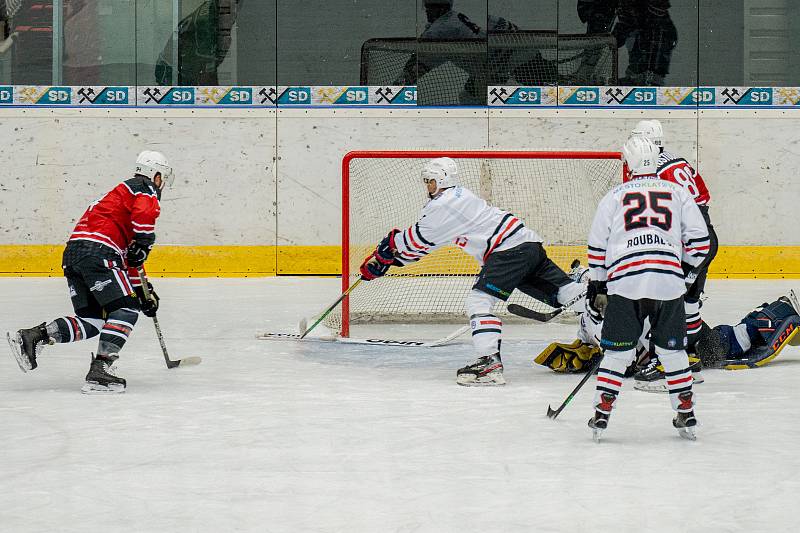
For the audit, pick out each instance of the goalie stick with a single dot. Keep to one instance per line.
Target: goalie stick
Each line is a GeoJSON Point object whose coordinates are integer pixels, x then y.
{"type": "Point", "coordinates": [374, 342]}
{"type": "Point", "coordinates": [194, 360]}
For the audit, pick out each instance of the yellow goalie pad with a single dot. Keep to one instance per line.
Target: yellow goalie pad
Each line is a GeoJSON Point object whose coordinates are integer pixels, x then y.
{"type": "Point", "coordinates": [569, 358]}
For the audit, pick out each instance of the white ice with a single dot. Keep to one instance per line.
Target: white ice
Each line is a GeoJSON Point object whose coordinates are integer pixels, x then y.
{"type": "Point", "coordinates": [296, 437]}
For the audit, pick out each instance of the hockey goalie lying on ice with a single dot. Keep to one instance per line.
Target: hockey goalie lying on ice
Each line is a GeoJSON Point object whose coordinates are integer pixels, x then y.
{"type": "Point", "coordinates": [756, 340]}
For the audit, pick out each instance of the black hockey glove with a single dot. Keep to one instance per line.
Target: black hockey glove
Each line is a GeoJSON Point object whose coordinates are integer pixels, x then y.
{"type": "Point", "coordinates": [689, 274]}
{"type": "Point", "coordinates": [149, 306]}
{"type": "Point", "coordinates": [137, 254]}
{"type": "Point", "coordinates": [377, 264]}
{"type": "Point", "coordinates": [597, 296]}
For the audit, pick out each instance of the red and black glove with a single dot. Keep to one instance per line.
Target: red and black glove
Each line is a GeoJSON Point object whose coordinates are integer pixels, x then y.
{"type": "Point", "coordinates": [377, 264]}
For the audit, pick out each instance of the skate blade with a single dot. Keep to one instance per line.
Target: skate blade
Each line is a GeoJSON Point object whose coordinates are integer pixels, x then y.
{"type": "Point", "coordinates": [596, 434]}
{"type": "Point", "coordinates": [687, 433]}
{"type": "Point", "coordinates": [16, 351]}
{"type": "Point", "coordinates": [91, 387]}
{"type": "Point", "coordinates": [497, 381]}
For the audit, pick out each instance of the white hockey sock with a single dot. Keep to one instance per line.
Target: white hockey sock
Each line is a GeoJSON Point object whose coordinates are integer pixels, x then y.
{"type": "Point", "coordinates": [486, 326]}
{"type": "Point", "coordinates": [610, 375]}
{"type": "Point", "coordinates": [693, 320]}
{"type": "Point", "coordinates": [678, 376]}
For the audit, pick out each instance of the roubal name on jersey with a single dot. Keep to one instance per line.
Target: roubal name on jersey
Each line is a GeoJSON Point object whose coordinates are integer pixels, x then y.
{"type": "Point", "coordinates": [647, 239]}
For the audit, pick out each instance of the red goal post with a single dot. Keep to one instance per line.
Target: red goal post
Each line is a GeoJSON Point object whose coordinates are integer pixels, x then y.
{"type": "Point", "coordinates": [552, 188]}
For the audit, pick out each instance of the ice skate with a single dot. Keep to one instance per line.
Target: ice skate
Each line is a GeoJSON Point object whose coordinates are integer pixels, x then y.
{"type": "Point", "coordinates": [486, 371]}
{"type": "Point", "coordinates": [599, 422]}
{"type": "Point", "coordinates": [27, 344]}
{"type": "Point", "coordinates": [685, 421]}
{"type": "Point", "coordinates": [651, 377]}
{"type": "Point", "coordinates": [102, 378]}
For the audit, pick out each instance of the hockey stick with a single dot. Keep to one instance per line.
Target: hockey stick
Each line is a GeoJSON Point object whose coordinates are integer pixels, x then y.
{"type": "Point", "coordinates": [374, 342]}
{"type": "Point", "coordinates": [327, 311]}
{"type": "Point", "coordinates": [524, 312]}
{"type": "Point", "coordinates": [553, 414]}
{"type": "Point", "coordinates": [194, 360]}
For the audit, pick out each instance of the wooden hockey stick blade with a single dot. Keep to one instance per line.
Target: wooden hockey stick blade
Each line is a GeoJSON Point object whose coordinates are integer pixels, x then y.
{"type": "Point", "coordinates": [524, 312]}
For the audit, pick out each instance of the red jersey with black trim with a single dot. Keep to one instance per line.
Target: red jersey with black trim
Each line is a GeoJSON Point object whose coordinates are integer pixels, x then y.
{"type": "Point", "coordinates": [127, 213]}
{"type": "Point", "coordinates": [677, 170]}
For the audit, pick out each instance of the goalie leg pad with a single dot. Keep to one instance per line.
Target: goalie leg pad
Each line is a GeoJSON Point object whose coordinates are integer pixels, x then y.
{"type": "Point", "coordinates": [784, 334]}
{"type": "Point", "coordinates": [570, 358]}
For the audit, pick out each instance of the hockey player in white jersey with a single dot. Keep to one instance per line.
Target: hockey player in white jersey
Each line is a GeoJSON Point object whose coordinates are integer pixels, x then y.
{"type": "Point", "coordinates": [511, 255]}
{"type": "Point", "coordinates": [646, 235]}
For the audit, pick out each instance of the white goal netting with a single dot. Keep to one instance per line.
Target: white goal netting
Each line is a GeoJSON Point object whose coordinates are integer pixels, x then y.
{"type": "Point", "coordinates": [555, 193]}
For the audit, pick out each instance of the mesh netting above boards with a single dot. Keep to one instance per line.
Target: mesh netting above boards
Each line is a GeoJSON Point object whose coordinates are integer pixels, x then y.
{"type": "Point", "coordinates": [452, 72]}
{"type": "Point", "coordinates": [555, 193]}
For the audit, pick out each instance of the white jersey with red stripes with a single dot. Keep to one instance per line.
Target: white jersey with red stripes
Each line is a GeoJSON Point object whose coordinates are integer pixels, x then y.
{"type": "Point", "coordinates": [457, 216]}
{"type": "Point", "coordinates": [642, 233]}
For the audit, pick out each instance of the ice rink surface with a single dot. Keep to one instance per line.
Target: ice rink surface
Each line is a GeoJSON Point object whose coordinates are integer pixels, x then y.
{"type": "Point", "coordinates": [295, 437]}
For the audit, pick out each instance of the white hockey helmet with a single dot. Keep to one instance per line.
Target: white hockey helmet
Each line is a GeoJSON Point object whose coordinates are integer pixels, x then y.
{"type": "Point", "coordinates": [443, 170]}
{"type": "Point", "coordinates": [641, 155]}
{"type": "Point", "coordinates": [150, 163]}
{"type": "Point", "coordinates": [651, 130]}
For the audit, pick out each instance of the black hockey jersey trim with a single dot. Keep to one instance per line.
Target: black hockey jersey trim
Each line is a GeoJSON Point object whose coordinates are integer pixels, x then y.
{"type": "Point", "coordinates": [419, 234]}
{"type": "Point", "coordinates": [140, 186]}
{"type": "Point", "coordinates": [645, 270]}
{"type": "Point", "coordinates": [639, 254]}
{"type": "Point", "coordinates": [592, 248]}
{"type": "Point", "coordinates": [694, 241]}
{"type": "Point", "coordinates": [504, 239]}
{"type": "Point", "coordinates": [497, 230]}
{"type": "Point", "coordinates": [411, 250]}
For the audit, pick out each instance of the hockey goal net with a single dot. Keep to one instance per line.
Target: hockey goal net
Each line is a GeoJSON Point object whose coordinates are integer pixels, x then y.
{"type": "Point", "coordinates": [555, 193]}
{"type": "Point", "coordinates": [451, 72]}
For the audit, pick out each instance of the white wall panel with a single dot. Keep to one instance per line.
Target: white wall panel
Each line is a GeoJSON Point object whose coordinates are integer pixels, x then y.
{"type": "Point", "coordinates": [311, 144]}
{"type": "Point", "coordinates": [750, 162]}
{"type": "Point", "coordinates": [229, 191]}
{"type": "Point", "coordinates": [56, 163]}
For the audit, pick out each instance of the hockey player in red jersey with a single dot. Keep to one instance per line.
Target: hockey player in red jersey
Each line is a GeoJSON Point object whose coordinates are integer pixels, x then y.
{"type": "Point", "coordinates": [110, 242]}
{"type": "Point", "coordinates": [646, 235]}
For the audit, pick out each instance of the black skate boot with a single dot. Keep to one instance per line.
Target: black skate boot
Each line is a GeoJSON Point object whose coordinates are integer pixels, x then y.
{"type": "Point", "coordinates": [599, 422]}
{"type": "Point", "coordinates": [487, 370]}
{"type": "Point", "coordinates": [102, 378]}
{"type": "Point", "coordinates": [27, 344]}
{"type": "Point", "coordinates": [651, 377]}
{"type": "Point", "coordinates": [685, 422]}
